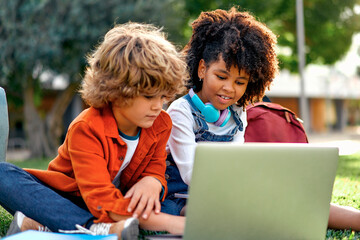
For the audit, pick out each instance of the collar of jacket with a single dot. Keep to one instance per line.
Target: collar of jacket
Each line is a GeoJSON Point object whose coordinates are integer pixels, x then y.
{"type": "Point", "coordinates": [111, 129]}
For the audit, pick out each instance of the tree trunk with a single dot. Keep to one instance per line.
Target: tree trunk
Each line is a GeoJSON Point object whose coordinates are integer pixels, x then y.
{"type": "Point", "coordinates": [54, 119]}
{"type": "Point", "coordinates": [43, 135]}
{"type": "Point", "coordinates": [34, 125]}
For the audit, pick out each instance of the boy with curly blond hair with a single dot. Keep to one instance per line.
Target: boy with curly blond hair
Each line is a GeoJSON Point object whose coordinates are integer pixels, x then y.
{"type": "Point", "coordinates": [108, 176]}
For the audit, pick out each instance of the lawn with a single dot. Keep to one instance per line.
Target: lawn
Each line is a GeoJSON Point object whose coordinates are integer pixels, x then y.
{"type": "Point", "coordinates": [346, 191]}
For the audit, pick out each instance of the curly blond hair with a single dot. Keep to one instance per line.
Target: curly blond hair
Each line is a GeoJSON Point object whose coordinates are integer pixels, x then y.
{"type": "Point", "coordinates": [132, 59]}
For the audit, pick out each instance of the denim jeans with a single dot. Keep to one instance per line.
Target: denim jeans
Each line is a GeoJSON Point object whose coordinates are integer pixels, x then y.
{"type": "Point", "coordinates": [21, 191]}
{"type": "Point", "coordinates": [173, 205]}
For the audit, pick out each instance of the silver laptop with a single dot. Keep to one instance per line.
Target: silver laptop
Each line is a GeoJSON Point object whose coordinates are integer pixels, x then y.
{"type": "Point", "coordinates": [260, 191]}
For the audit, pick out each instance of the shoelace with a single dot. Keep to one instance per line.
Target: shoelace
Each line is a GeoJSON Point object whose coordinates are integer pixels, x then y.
{"type": "Point", "coordinates": [95, 229]}
{"type": "Point", "coordinates": [44, 229]}
{"type": "Point", "coordinates": [20, 218]}
{"type": "Point", "coordinates": [101, 228]}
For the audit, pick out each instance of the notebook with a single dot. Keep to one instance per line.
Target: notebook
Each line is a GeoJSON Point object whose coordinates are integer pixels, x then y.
{"type": "Point", "coordinates": [36, 235]}
{"type": "Point", "coordinates": [260, 191]}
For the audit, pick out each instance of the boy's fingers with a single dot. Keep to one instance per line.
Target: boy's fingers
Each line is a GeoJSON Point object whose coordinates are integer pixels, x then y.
{"type": "Point", "coordinates": [157, 206]}
{"type": "Point", "coordinates": [140, 207]}
{"type": "Point", "coordinates": [133, 202]}
{"type": "Point", "coordinates": [129, 193]}
{"type": "Point", "coordinates": [148, 209]}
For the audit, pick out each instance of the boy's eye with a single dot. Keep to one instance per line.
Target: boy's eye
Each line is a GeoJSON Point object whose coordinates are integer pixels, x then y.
{"type": "Point", "coordinates": [166, 97]}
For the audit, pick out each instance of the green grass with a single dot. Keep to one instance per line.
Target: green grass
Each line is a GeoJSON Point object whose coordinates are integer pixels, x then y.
{"type": "Point", "coordinates": [5, 217]}
{"type": "Point", "coordinates": [33, 163]}
{"type": "Point", "coordinates": [346, 192]}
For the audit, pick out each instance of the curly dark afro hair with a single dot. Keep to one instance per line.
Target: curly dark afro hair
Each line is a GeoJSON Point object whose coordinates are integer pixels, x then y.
{"type": "Point", "coordinates": [242, 41]}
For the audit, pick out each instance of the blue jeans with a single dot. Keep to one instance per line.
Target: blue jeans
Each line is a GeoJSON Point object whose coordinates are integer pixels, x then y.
{"type": "Point", "coordinates": [21, 191]}
{"type": "Point", "coordinates": [175, 184]}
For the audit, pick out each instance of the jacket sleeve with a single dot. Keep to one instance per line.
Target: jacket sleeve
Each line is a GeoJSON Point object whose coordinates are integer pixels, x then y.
{"type": "Point", "coordinates": [157, 165]}
{"type": "Point", "coordinates": [87, 150]}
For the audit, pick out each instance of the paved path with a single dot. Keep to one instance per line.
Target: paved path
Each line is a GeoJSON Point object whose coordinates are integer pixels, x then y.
{"type": "Point", "coordinates": [348, 141]}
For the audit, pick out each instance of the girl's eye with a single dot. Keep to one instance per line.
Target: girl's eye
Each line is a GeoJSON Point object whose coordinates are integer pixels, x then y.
{"type": "Point", "coordinates": [221, 77]}
{"type": "Point", "coordinates": [240, 83]}
{"type": "Point", "coordinates": [148, 96]}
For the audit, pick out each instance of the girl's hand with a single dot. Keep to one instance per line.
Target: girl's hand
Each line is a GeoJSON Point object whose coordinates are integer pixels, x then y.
{"type": "Point", "coordinates": [144, 197]}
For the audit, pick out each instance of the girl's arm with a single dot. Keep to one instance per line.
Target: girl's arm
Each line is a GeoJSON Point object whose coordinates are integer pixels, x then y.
{"type": "Point", "coordinates": [182, 139]}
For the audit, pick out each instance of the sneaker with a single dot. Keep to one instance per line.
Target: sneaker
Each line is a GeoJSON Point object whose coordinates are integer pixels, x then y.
{"type": "Point", "coordinates": [130, 231]}
{"type": "Point", "coordinates": [15, 226]}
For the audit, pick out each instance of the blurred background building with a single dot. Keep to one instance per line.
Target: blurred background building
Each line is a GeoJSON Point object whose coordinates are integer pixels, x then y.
{"type": "Point", "coordinates": [333, 92]}
{"type": "Point", "coordinates": [43, 44]}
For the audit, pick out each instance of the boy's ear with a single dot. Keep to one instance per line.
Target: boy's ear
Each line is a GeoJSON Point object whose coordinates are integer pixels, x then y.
{"type": "Point", "coordinates": [201, 69]}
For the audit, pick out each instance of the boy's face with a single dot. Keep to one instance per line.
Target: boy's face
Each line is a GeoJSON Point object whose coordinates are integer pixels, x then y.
{"type": "Point", "coordinates": [141, 113]}
{"type": "Point", "coordinates": [221, 87]}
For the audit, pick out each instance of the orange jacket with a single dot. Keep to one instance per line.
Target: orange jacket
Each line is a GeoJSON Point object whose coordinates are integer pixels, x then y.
{"type": "Point", "coordinates": [92, 154]}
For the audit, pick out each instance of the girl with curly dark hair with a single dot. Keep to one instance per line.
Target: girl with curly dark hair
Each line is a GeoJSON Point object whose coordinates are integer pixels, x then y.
{"type": "Point", "coordinates": [232, 61]}
{"type": "Point", "coordinates": [240, 41]}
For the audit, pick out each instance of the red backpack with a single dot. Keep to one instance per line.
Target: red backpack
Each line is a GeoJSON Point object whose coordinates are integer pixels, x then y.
{"type": "Point", "coordinates": [271, 122]}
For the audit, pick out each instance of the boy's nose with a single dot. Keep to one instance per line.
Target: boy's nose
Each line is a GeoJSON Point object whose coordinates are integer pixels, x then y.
{"type": "Point", "coordinates": [158, 103]}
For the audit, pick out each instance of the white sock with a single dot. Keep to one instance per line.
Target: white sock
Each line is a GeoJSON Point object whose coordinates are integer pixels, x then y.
{"type": "Point", "coordinates": [128, 222]}
{"type": "Point", "coordinates": [20, 219]}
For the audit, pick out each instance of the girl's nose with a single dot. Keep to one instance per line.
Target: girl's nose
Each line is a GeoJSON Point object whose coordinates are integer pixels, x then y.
{"type": "Point", "coordinates": [228, 86]}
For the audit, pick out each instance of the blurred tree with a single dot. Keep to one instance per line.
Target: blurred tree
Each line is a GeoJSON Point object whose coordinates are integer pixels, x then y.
{"type": "Point", "coordinates": [329, 25]}
{"type": "Point", "coordinates": [42, 35]}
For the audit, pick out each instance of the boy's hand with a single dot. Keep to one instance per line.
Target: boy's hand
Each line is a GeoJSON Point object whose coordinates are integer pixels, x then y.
{"type": "Point", "coordinates": [145, 197]}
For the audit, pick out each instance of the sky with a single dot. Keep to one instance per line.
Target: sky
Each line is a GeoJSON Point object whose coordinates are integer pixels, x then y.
{"type": "Point", "coordinates": [351, 61]}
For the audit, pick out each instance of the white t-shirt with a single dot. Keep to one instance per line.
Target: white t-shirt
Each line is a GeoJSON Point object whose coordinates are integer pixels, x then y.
{"type": "Point", "coordinates": [182, 143]}
{"type": "Point", "coordinates": [131, 143]}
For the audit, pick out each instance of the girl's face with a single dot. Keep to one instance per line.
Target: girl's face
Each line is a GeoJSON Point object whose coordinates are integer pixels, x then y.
{"type": "Point", "coordinates": [221, 87]}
